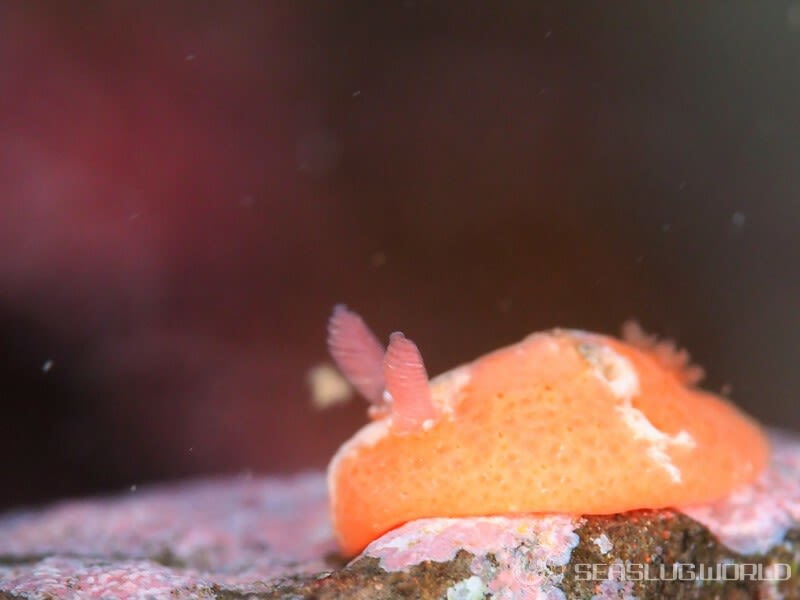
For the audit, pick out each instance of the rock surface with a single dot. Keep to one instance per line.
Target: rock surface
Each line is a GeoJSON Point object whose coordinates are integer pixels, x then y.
{"type": "Point", "coordinates": [270, 538]}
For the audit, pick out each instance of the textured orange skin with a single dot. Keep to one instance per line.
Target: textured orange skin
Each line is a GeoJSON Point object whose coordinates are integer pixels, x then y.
{"type": "Point", "coordinates": [536, 430]}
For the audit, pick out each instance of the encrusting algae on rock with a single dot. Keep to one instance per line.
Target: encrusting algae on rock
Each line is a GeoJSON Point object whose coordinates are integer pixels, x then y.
{"type": "Point", "coordinates": [565, 421]}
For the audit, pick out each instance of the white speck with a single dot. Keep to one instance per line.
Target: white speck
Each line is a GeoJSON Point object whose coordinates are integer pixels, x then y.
{"type": "Point", "coordinates": [427, 424]}
{"type": "Point", "coordinates": [603, 543]}
{"type": "Point", "coordinates": [133, 216]}
{"type": "Point", "coordinates": [738, 219]}
{"type": "Point", "coordinates": [356, 94]}
{"type": "Point", "coordinates": [190, 57]}
{"type": "Point", "coordinates": [48, 364]}
{"type": "Point", "coordinates": [133, 488]}
{"type": "Point", "coordinates": [548, 34]}
{"type": "Point", "coordinates": [191, 448]}
{"type": "Point", "coordinates": [468, 589]}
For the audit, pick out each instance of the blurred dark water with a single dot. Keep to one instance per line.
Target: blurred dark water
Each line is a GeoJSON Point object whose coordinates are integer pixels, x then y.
{"type": "Point", "coordinates": [186, 190]}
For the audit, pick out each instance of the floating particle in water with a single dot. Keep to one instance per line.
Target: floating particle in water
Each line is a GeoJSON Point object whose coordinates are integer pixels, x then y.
{"type": "Point", "coordinates": [328, 387]}
{"type": "Point", "coordinates": [378, 259]}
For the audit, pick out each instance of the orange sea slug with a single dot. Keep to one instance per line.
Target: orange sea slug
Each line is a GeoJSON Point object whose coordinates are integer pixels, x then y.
{"type": "Point", "coordinates": [564, 421]}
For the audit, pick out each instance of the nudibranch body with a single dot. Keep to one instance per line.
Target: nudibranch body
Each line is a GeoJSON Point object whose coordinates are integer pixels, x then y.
{"type": "Point", "coordinates": [564, 421]}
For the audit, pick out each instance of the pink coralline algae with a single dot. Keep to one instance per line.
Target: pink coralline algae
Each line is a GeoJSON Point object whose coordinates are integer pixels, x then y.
{"type": "Point", "coordinates": [523, 550]}
{"type": "Point", "coordinates": [754, 518]}
{"type": "Point", "coordinates": [228, 532]}
{"type": "Point", "coordinates": [70, 577]}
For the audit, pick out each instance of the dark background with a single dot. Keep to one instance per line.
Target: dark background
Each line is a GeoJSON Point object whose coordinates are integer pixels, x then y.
{"type": "Point", "coordinates": [186, 190]}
